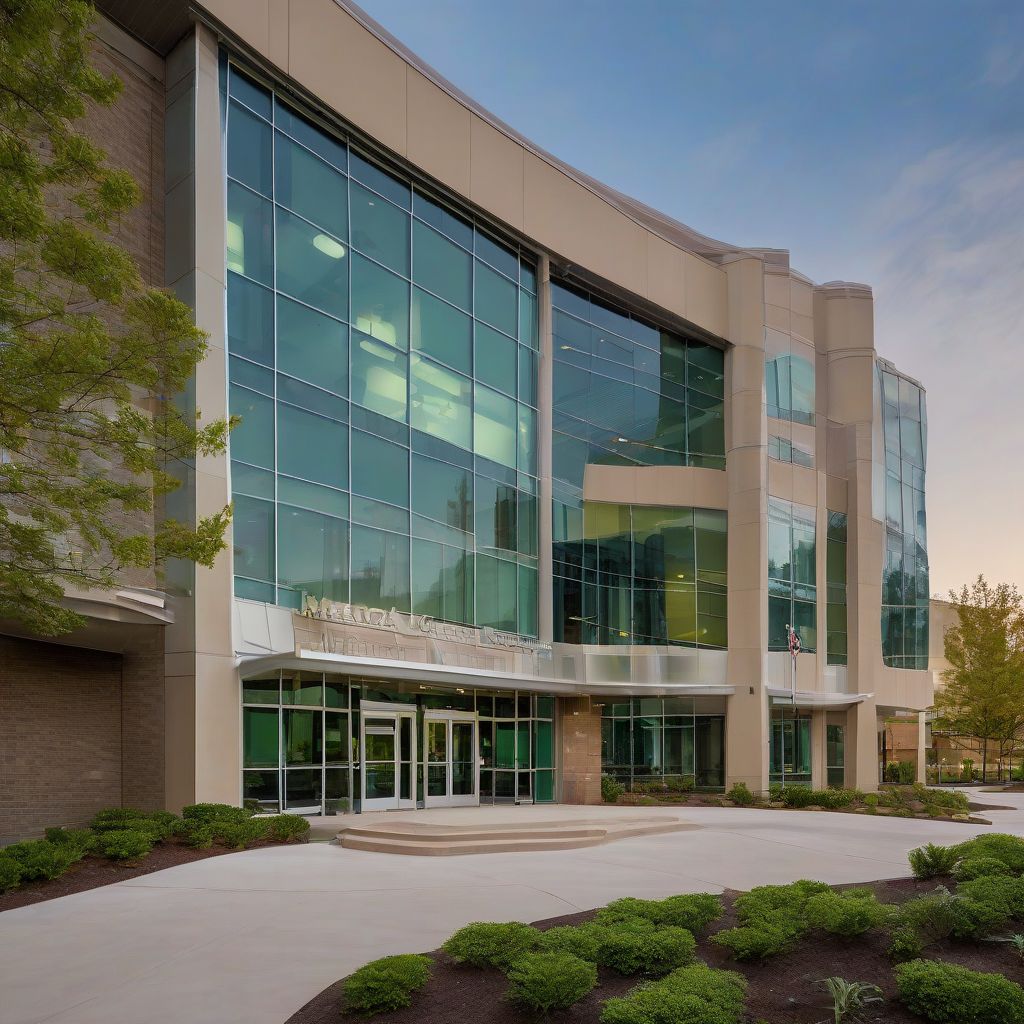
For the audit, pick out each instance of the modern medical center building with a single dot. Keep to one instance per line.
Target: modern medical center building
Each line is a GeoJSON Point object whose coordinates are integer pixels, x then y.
{"type": "Point", "coordinates": [530, 479]}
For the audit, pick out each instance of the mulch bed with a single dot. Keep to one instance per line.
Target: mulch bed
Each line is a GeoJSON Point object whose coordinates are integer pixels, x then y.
{"type": "Point", "coordinates": [92, 872]}
{"type": "Point", "coordinates": [782, 990]}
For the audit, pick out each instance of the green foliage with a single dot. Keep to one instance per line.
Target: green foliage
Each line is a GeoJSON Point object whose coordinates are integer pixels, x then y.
{"type": "Point", "coordinates": [125, 844]}
{"type": "Point", "coordinates": [948, 799]}
{"type": "Point", "coordinates": [772, 918]}
{"type": "Point", "coordinates": [11, 872]}
{"type": "Point", "coordinates": [1002, 892]}
{"type": "Point", "coordinates": [488, 944]}
{"type": "Point", "coordinates": [157, 824]}
{"type": "Point", "coordinates": [696, 994]}
{"type": "Point", "coordinates": [931, 917]}
{"type": "Point", "coordinates": [906, 773]}
{"type": "Point", "coordinates": [611, 789]}
{"type": "Point", "coordinates": [582, 941]}
{"type": "Point", "coordinates": [680, 783]}
{"type": "Point", "coordinates": [284, 828]}
{"type": "Point", "coordinates": [237, 835]}
{"type": "Point", "coordinates": [850, 997]}
{"type": "Point", "coordinates": [92, 357]}
{"type": "Point", "coordinates": [949, 994]}
{"type": "Point", "coordinates": [804, 796]}
{"type": "Point", "coordinates": [639, 947]}
{"type": "Point", "coordinates": [550, 981]}
{"type": "Point", "coordinates": [740, 794]}
{"type": "Point", "coordinates": [693, 911]}
{"type": "Point", "coordinates": [906, 944]}
{"type": "Point", "coordinates": [848, 913]}
{"type": "Point", "coordinates": [41, 859]}
{"type": "Point", "coordinates": [871, 799]}
{"type": "Point", "coordinates": [81, 839]}
{"type": "Point", "coordinates": [206, 813]}
{"type": "Point", "coordinates": [978, 867]}
{"type": "Point", "coordinates": [386, 984]}
{"type": "Point", "coordinates": [1007, 849]}
{"type": "Point", "coordinates": [930, 861]}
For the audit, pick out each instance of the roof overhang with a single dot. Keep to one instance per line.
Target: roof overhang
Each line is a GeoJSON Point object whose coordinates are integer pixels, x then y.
{"type": "Point", "coordinates": [781, 697]}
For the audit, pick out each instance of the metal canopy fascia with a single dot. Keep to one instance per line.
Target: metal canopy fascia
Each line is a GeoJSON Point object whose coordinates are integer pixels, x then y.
{"type": "Point", "coordinates": [782, 697]}
{"type": "Point", "coordinates": [452, 675]}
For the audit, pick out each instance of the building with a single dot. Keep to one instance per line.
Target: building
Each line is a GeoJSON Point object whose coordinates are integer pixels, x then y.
{"type": "Point", "coordinates": [531, 478]}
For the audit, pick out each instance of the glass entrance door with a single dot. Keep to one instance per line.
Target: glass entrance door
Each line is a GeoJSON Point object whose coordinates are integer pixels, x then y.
{"type": "Point", "coordinates": [388, 747]}
{"type": "Point", "coordinates": [451, 766]}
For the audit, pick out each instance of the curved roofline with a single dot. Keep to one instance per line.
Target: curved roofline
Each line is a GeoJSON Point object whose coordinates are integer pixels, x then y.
{"type": "Point", "coordinates": [669, 228]}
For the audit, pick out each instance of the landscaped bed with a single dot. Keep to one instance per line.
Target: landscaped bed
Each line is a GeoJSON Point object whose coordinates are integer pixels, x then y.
{"type": "Point", "coordinates": [906, 801]}
{"type": "Point", "coordinates": [123, 843]}
{"type": "Point", "coordinates": [753, 958]}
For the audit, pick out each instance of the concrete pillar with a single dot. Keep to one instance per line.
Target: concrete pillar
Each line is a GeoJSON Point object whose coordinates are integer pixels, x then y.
{"type": "Point", "coordinates": [922, 748]}
{"type": "Point", "coordinates": [862, 747]}
{"type": "Point", "coordinates": [819, 775]}
{"type": "Point", "coordinates": [580, 731]}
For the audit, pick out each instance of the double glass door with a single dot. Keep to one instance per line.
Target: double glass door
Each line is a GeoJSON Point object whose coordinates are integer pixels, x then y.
{"type": "Point", "coordinates": [388, 748]}
{"type": "Point", "coordinates": [451, 765]}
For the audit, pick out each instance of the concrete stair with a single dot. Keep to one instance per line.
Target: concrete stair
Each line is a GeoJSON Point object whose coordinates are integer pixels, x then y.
{"type": "Point", "coordinates": [428, 839]}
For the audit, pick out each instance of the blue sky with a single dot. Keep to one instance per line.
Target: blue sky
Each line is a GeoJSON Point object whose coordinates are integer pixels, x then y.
{"type": "Point", "coordinates": [878, 142]}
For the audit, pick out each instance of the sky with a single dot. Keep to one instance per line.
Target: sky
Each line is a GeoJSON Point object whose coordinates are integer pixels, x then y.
{"type": "Point", "coordinates": [880, 142]}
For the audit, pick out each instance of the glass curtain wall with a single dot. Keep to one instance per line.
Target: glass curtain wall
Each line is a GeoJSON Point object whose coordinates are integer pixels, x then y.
{"type": "Point", "coordinates": [905, 587]}
{"type": "Point", "coordinates": [789, 761]}
{"type": "Point", "coordinates": [647, 739]}
{"type": "Point", "coordinates": [628, 394]}
{"type": "Point", "coordinates": [792, 590]}
{"type": "Point", "coordinates": [300, 740]}
{"type": "Point", "coordinates": [632, 574]}
{"type": "Point", "coordinates": [383, 359]}
{"type": "Point", "coordinates": [789, 388]}
{"type": "Point", "coordinates": [835, 754]}
{"type": "Point", "coordinates": [835, 578]}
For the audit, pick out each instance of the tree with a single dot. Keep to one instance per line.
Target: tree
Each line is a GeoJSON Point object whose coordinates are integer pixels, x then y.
{"type": "Point", "coordinates": [91, 359]}
{"type": "Point", "coordinates": [983, 695]}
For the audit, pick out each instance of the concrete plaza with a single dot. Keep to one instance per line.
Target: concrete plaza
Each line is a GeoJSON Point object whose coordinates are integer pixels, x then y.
{"type": "Point", "coordinates": [252, 936]}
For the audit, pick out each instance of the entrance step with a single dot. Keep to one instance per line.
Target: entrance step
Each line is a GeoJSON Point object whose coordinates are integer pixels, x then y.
{"type": "Point", "coordinates": [426, 839]}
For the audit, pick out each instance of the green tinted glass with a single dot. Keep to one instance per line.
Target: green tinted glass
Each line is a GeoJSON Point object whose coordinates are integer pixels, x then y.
{"type": "Point", "coordinates": [312, 266]}
{"type": "Point", "coordinates": [496, 300]}
{"type": "Point", "coordinates": [252, 440]}
{"type": "Point", "coordinates": [494, 427]}
{"type": "Point", "coordinates": [380, 230]}
{"type": "Point", "coordinates": [312, 447]}
{"type": "Point", "coordinates": [441, 402]}
{"type": "Point", "coordinates": [312, 553]}
{"type": "Point", "coordinates": [380, 377]}
{"type": "Point", "coordinates": [441, 267]}
{"type": "Point", "coordinates": [441, 331]}
{"type": "Point", "coordinates": [380, 303]}
{"type": "Point", "coordinates": [250, 234]}
{"type": "Point", "coordinates": [380, 469]}
{"type": "Point", "coordinates": [312, 346]}
{"type": "Point", "coordinates": [249, 146]}
{"type": "Point", "coordinates": [310, 187]}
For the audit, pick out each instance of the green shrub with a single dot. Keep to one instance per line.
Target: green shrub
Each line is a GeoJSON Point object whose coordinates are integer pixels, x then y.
{"type": "Point", "coordinates": [116, 818]}
{"type": "Point", "coordinates": [740, 794]}
{"type": "Point", "coordinates": [906, 773]}
{"type": "Point", "coordinates": [81, 839]}
{"type": "Point", "coordinates": [693, 911]}
{"type": "Point", "coordinates": [653, 787]}
{"type": "Point", "coordinates": [207, 813]}
{"type": "Point", "coordinates": [949, 994]}
{"type": "Point", "coordinates": [611, 789]}
{"type": "Point", "coordinates": [582, 941]}
{"type": "Point", "coordinates": [906, 944]}
{"type": "Point", "coordinates": [488, 944]}
{"type": "Point", "coordinates": [386, 984]}
{"type": "Point", "coordinates": [201, 836]}
{"type": "Point", "coordinates": [931, 917]}
{"type": "Point", "coordinates": [973, 919]}
{"type": "Point", "coordinates": [696, 994]}
{"type": "Point", "coordinates": [162, 823]}
{"type": "Point", "coordinates": [756, 942]}
{"type": "Point", "coordinates": [797, 796]}
{"type": "Point", "coordinates": [680, 783]}
{"type": "Point", "coordinates": [1002, 892]}
{"type": "Point", "coordinates": [284, 828]}
{"type": "Point", "coordinates": [10, 873]}
{"type": "Point", "coordinates": [929, 861]}
{"type": "Point", "coordinates": [772, 918]}
{"type": "Point", "coordinates": [550, 981]}
{"type": "Point", "coordinates": [775, 791]}
{"type": "Point", "coordinates": [125, 844]}
{"type": "Point", "coordinates": [871, 800]}
{"type": "Point", "coordinates": [39, 858]}
{"type": "Point", "coordinates": [970, 868]}
{"type": "Point", "coordinates": [949, 799]}
{"type": "Point", "coordinates": [1007, 849]}
{"type": "Point", "coordinates": [639, 947]}
{"type": "Point", "coordinates": [848, 913]}
{"type": "Point", "coordinates": [237, 835]}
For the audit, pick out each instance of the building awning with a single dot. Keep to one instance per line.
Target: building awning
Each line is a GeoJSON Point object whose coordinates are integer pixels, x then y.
{"type": "Point", "coordinates": [479, 678]}
{"type": "Point", "coordinates": [815, 698]}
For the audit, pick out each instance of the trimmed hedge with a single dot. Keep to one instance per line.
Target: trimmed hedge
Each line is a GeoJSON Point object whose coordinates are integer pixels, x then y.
{"type": "Point", "coordinates": [41, 859]}
{"type": "Point", "coordinates": [386, 984]}
{"type": "Point", "coordinates": [978, 867]}
{"type": "Point", "coordinates": [125, 844]}
{"type": "Point", "coordinates": [1007, 849]}
{"type": "Point", "coordinates": [639, 947]}
{"type": "Point", "coordinates": [284, 828]}
{"type": "Point", "coordinates": [772, 918]}
{"type": "Point", "coordinates": [582, 941]}
{"type": "Point", "coordinates": [848, 913]}
{"type": "Point", "coordinates": [490, 944]}
{"type": "Point", "coordinates": [696, 994]}
{"type": "Point", "coordinates": [550, 981]}
{"type": "Point", "coordinates": [693, 911]}
{"type": "Point", "coordinates": [949, 994]}
{"type": "Point", "coordinates": [10, 873]}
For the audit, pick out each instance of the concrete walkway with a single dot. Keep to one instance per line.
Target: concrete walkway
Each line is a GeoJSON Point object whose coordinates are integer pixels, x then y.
{"type": "Point", "coordinates": [252, 936]}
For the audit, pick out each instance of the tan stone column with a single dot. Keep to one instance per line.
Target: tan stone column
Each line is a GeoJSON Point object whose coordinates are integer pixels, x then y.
{"type": "Point", "coordinates": [819, 775]}
{"type": "Point", "coordinates": [922, 748]}
{"type": "Point", "coordinates": [862, 747]}
{"type": "Point", "coordinates": [580, 731]}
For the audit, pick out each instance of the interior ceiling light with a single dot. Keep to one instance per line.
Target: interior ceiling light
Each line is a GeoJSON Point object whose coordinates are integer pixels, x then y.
{"type": "Point", "coordinates": [329, 246]}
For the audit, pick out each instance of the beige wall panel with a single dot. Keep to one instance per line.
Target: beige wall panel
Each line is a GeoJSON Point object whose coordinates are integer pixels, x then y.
{"type": "Point", "coordinates": [250, 19]}
{"type": "Point", "coordinates": [707, 298]}
{"type": "Point", "coordinates": [747, 506]}
{"type": "Point", "coordinates": [747, 415]}
{"type": "Point", "coordinates": [180, 740]}
{"type": "Point", "coordinates": [835, 493]}
{"type": "Point", "coordinates": [496, 172]}
{"type": "Point", "coordinates": [218, 754]}
{"type": "Point", "coordinates": [780, 480]}
{"type": "Point", "coordinates": [745, 302]}
{"type": "Point", "coordinates": [666, 279]}
{"type": "Point", "coordinates": [802, 326]}
{"type": "Point", "coordinates": [801, 297]}
{"type": "Point", "coordinates": [776, 317]}
{"type": "Point", "coordinates": [349, 69]}
{"type": "Point", "coordinates": [746, 372]}
{"type": "Point", "coordinates": [575, 223]}
{"type": "Point", "coordinates": [656, 485]}
{"type": "Point", "coordinates": [777, 290]}
{"type": "Point", "coordinates": [746, 740]}
{"type": "Point", "coordinates": [746, 553]}
{"type": "Point", "coordinates": [439, 133]}
{"type": "Point", "coordinates": [278, 17]}
{"type": "Point", "coordinates": [805, 486]}
{"type": "Point", "coordinates": [746, 467]}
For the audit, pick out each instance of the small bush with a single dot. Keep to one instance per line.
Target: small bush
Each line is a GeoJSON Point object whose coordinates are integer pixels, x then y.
{"type": "Point", "coordinates": [970, 868]}
{"type": "Point", "coordinates": [125, 844]}
{"type": "Point", "coordinates": [639, 947]}
{"type": "Point", "coordinates": [386, 984]}
{"type": "Point", "coordinates": [285, 828]}
{"type": "Point", "coordinates": [582, 941]}
{"type": "Point", "coordinates": [199, 835]}
{"type": "Point", "coordinates": [611, 789]}
{"type": "Point", "coordinates": [949, 994]}
{"type": "Point", "coordinates": [848, 913]}
{"type": "Point", "coordinates": [488, 944]}
{"type": "Point", "coordinates": [906, 773]}
{"type": "Point", "coordinates": [652, 787]}
{"type": "Point", "coordinates": [750, 942]}
{"type": "Point", "coordinates": [740, 794]}
{"type": "Point", "coordinates": [1007, 849]}
{"type": "Point", "coordinates": [81, 839]}
{"type": "Point", "coordinates": [237, 835]}
{"type": "Point", "coordinates": [906, 944]}
{"type": "Point", "coordinates": [772, 918]}
{"type": "Point", "coordinates": [1002, 892]}
{"type": "Point", "coordinates": [929, 861]}
{"type": "Point", "coordinates": [116, 818]}
{"type": "Point", "coordinates": [973, 919]}
{"type": "Point", "coordinates": [870, 799]}
{"type": "Point", "coordinates": [162, 823]}
{"type": "Point", "coordinates": [39, 858]}
{"type": "Point", "coordinates": [696, 994]}
{"type": "Point", "coordinates": [680, 783]}
{"type": "Point", "coordinates": [208, 813]}
{"type": "Point", "coordinates": [10, 873]}
{"type": "Point", "coordinates": [931, 917]}
{"type": "Point", "coordinates": [550, 981]}
{"type": "Point", "coordinates": [693, 911]}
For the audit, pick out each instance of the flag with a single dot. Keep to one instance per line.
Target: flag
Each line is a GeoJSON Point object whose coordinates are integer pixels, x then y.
{"type": "Point", "coordinates": [794, 641]}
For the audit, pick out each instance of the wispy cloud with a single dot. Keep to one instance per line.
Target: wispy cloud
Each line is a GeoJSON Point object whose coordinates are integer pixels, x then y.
{"type": "Point", "coordinates": [1003, 64]}
{"type": "Point", "coordinates": [950, 309]}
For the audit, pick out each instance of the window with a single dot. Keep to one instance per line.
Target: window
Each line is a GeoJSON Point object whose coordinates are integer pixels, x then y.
{"type": "Point", "coordinates": [792, 562]}
{"type": "Point", "coordinates": [835, 578]}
